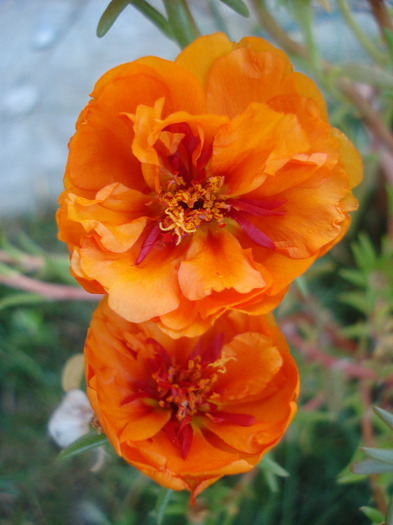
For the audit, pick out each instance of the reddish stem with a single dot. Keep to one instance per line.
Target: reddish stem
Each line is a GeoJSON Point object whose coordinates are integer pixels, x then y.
{"type": "Point", "coordinates": [382, 17]}
{"type": "Point", "coordinates": [53, 292]}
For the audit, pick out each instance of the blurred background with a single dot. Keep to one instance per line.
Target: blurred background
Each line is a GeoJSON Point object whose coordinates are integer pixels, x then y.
{"type": "Point", "coordinates": [338, 318]}
{"type": "Point", "coordinates": [50, 59]}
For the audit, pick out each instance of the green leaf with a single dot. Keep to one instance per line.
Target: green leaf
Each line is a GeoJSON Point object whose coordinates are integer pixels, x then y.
{"type": "Point", "coordinates": [389, 194]}
{"type": "Point", "coordinates": [23, 362]}
{"type": "Point", "coordinates": [302, 285]}
{"type": "Point", "coordinates": [348, 477]}
{"type": "Point", "coordinates": [364, 253]}
{"type": "Point", "coordinates": [154, 16]}
{"type": "Point", "coordinates": [380, 454]}
{"type": "Point", "coordinates": [268, 464]}
{"type": "Point", "coordinates": [83, 444]}
{"type": "Point", "coordinates": [162, 501]}
{"type": "Point", "coordinates": [370, 75]}
{"type": "Point", "coordinates": [353, 276]}
{"type": "Point", "coordinates": [238, 6]}
{"type": "Point", "coordinates": [389, 42]}
{"type": "Point", "coordinates": [218, 18]}
{"type": "Point", "coordinates": [19, 299]}
{"type": "Point", "coordinates": [110, 15]}
{"type": "Point", "coordinates": [356, 330]}
{"type": "Point", "coordinates": [373, 514]}
{"type": "Point", "coordinates": [389, 514]}
{"type": "Point", "coordinates": [181, 22]}
{"type": "Point", "coordinates": [385, 416]}
{"type": "Point", "coordinates": [116, 7]}
{"type": "Point", "coordinates": [370, 466]}
{"type": "Point", "coordinates": [357, 300]}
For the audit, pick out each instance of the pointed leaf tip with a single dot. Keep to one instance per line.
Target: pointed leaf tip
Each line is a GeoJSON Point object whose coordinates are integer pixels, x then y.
{"type": "Point", "coordinates": [385, 416]}
{"type": "Point", "coordinates": [83, 444]}
{"type": "Point", "coordinates": [238, 6]}
{"type": "Point", "coordinates": [110, 15]}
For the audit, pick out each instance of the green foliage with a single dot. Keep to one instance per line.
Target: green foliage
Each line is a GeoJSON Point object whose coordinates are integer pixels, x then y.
{"type": "Point", "coordinates": [85, 443]}
{"type": "Point", "coordinates": [294, 484]}
{"type": "Point", "coordinates": [181, 22]}
{"type": "Point", "coordinates": [116, 7]}
{"type": "Point", "coordinates": [238, 6]}
{"type": "Point", "coordinates": [377, 461]}
{"type": "Point", "coordinates": [374, 515]}
{"type": "Point", "coordinates": [372, 290]}
{"type": "Point", "coordinates": [345, 327]}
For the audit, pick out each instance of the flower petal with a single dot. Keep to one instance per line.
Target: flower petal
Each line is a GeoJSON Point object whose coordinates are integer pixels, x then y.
{"type": "Point", "coordinates": [144, 81]}
{"type": "Point", "coordinates": [100, 154]}
{"type": "Point", "coordinates": [216, 262]}
{"type": "Point", "coordinates": [350, 158]}
{"type": "Point", "coordinates": [241, 381]}
{"type": "Point", "coordinates": [115, 217]}
{"type": "Point", "coordinates": [124, 281]}
{"type": "Point", "coordinates": [241, 77]}
{"type": "Point", "coordinates": [255, 145]}
{"type": "Point", "coordinates": [201, 54]}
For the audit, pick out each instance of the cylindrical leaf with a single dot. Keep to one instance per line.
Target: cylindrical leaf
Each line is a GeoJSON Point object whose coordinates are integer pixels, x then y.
{"type": "Point", "coordinates": [181, 22]}
{"type": "Point", "coordinates": [83, 444]}
{"type": "Point", "coordinates": [110, 15]}
{"type": "Point", "coordinates": [370, 466]}
{"type": "Point", "coordinates": [237, 5]}
{"type": "Point", "coordinates": [380, 454]}
{"type": "Point", "coordinates": [154, 16]}
{"type": "Point", "coordinates": [385, 416]}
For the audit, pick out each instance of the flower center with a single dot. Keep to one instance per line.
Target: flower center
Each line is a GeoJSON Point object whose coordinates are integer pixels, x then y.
{"type": "Point", "coordinates": [186, 208]}
{"type": "Point", "coordinates": [187, 390]}
{"type": "Point", "coordinates": [188, 196]}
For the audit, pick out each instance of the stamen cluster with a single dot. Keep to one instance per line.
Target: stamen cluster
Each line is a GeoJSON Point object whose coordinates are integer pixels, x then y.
{"type": "Point", "coordinates": [186, 208]}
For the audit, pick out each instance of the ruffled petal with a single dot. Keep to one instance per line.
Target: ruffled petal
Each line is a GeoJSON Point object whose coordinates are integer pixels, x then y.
{"type": "Point", "coordinates": [201, 54]}
{"type": "Point", "coordinates": [144, 81]}
{"type": "Point", "coordinates": [154, 284]}
{"type": "Point", "coordinates": [215, 261]}
{"type": "Point", "coordinates": [241, 77]}
{"type": "Point", "coordinates": [254, 145]}
{"type": "Point", "coordinates": [350, 158]}
{"type": "Point", "coordinates": [115, 218]}
{"type": "Point", "coordinates": [100, 154]}
{"type": "Point", "coordinates": [313, 215]}
{"type": "Point", "coordinates": [272, 414]}
{"type": "Point", "coordinates": [240, 381]}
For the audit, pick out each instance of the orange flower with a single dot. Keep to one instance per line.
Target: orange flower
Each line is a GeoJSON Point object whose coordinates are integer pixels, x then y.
{"type": "Point", "coordinates": [203, 185]}
{"type": "Point", "coordinates": [188, 411]}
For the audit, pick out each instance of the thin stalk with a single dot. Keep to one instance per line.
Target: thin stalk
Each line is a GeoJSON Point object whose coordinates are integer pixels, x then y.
{"type": "Point", "coordinates": [218, 18]}
{"type": "Point", "coordinates": [364, 41]}
{"type": "Point", "coordinates": [268, 22]}
{"type": "Point", "coordinates": [303, 13]}
{"type": "Point", "coordinates": [51, 291]}
{"type": "Point", "coordinates": [382, 17]}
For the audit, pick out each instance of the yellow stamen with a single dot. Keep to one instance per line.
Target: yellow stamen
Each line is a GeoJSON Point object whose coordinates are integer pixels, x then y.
{"type": "Point", "coordinates": [187, 208]}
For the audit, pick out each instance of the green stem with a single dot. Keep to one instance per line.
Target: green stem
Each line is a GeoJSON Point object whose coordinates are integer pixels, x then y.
{"type": "Point", "coordinates": [303, 13]}
{"type": "Point", "coordinates": [218, 18]}
{"type": "Point", "coordinates": [181, 22]}
{"type": "Point", "coordinates": [162, 502]}
{"type": "Point", "coordinates": [365, 42]}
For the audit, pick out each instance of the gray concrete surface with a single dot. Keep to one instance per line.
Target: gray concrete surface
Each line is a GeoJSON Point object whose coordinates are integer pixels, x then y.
{"type": "Point", "coordinates": [50, 59]}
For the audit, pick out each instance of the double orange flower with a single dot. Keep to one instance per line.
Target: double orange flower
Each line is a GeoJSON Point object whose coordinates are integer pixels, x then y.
{"type": "Point", "coordinates": [196, 190]}
{"type": "Point", "coordinates": [188, 411]}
